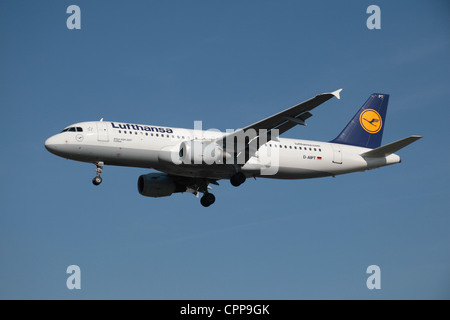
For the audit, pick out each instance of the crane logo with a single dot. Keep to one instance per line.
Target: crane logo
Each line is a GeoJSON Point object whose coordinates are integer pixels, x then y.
{"type": "Point", "coordinates": [371, 121]}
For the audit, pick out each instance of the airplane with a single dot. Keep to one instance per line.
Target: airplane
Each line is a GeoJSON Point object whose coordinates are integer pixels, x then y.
{"type": "Point", "coordinates": [191, 160]}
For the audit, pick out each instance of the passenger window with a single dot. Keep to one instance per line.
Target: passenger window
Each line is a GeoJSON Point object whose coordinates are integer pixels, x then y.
{"type": "Point", "coordinates": [146, 133]}
{"type": "Point", "coordinates": [156, 134]}
{"type": "Point", "coordinates": [290, 147]}
{"type": "Point", "coordinates": [295, 148]}
{"type": "Point", "coordinates": [131, 132]}
{"type": "Point", "coordinates": [120, 131]}
{"type": "Point", "coordinates": [320, 150]}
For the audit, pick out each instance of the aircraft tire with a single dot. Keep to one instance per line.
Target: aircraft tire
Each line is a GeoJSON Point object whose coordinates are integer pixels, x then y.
{"type": "Point", "coordinates": [97, 180]}
{"type": "Point", "coordinates": [207, 199]}
{"type": "Point", "coordinates": [238, 179]}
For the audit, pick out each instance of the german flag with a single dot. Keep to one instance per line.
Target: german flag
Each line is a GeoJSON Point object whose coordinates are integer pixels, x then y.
{"type": "Point", "coordinates": [319, 158]}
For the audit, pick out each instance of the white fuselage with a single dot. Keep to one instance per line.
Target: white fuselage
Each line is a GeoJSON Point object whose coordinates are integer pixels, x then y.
{"type": "Point", "coordinates": [146, 146]}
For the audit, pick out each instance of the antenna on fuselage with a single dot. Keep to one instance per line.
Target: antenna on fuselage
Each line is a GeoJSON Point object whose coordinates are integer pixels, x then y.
{"type": "Point", "coordinates": [101, 120]}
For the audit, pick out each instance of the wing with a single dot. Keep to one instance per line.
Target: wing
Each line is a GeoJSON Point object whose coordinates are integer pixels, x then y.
{"type": "Point", "coordinates": [283, 121]}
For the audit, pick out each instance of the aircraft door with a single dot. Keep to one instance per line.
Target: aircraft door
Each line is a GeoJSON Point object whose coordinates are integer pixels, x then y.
{"type": "Point", "coordinates": [337, 154]}
{"type": "Point", "coordinates": [102, 131]}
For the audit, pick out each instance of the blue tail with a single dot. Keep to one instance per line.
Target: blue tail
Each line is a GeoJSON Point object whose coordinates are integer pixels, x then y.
{"type": "Point", "coordinates": [366, 127]}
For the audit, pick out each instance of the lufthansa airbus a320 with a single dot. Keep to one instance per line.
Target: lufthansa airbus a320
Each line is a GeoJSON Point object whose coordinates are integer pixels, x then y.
{"type": "Point", "coordinates": [190, 160]}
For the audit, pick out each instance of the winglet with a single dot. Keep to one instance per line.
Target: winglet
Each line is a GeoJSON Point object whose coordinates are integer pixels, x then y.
{"type": "Point", "coordinates": [337, 93]}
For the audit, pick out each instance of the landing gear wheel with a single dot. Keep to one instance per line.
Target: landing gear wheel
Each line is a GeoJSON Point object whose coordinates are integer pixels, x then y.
{"type": "Point", "coordinates": [207, 199]}
{"type": "Point", "coordinates": [238, 179]}
{"type": "Point", "coordinates": [97, 180]}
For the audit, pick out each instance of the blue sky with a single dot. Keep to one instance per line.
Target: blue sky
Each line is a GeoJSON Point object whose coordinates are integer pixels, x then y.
{"type": "Point", "coordinates": [229, 64]}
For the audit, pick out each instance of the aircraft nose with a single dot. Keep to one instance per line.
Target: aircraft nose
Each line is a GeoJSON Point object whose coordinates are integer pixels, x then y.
{"type": "Point", "coordinates": [50, 144]}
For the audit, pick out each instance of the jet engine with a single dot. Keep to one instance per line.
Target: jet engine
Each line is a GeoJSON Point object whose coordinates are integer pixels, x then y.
{"type": "Point", "coordinates": [158, 185]}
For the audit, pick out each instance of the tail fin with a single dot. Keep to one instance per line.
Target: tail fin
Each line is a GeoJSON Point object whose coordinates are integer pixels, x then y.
{"type": "Point", "coordinates": [366, 127]}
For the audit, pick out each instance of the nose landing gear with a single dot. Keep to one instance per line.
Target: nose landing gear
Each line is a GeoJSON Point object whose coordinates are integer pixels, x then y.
{"type": "Point", "coordinates": [98, 179]}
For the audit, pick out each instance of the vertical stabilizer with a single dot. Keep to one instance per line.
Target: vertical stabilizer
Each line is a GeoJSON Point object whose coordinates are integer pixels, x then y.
{"type": "Point", "coordinates": [366, 127]}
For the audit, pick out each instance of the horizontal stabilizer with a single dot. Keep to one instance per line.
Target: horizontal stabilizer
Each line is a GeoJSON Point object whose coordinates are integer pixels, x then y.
{"type": "Point", "coordinates": [390, 148]}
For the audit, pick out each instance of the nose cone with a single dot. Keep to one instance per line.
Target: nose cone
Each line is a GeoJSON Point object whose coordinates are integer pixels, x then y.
{"type": "Point", "coordinates": [51, 143]}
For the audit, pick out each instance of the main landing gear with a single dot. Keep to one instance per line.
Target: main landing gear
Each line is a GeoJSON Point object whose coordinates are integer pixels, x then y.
{"type": "Point", "coordinates": [238, 179]}
{"type": "Point", "coordinates": [98, 179]}
{"type": "Point", "coordinates": [207, 199]}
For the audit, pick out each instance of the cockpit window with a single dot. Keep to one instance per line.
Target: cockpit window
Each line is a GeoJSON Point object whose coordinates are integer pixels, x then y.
{"type": "Point", "coordinates": [73, 129]}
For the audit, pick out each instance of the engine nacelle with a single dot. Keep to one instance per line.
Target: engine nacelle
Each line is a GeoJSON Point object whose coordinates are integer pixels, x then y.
{"type": "Point", "coordinates": [200, 152]}
{"type": "Point", "coordinates": [158, 185]}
